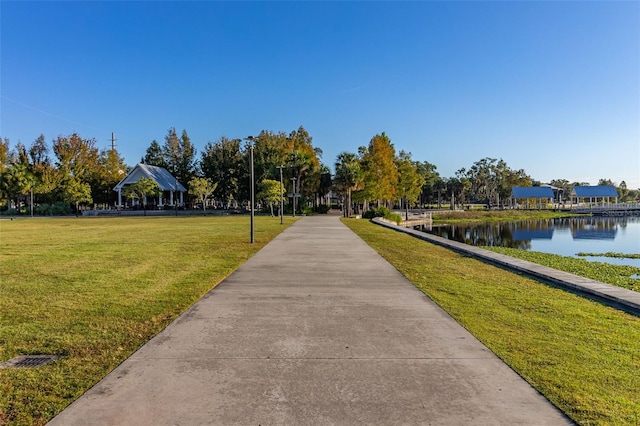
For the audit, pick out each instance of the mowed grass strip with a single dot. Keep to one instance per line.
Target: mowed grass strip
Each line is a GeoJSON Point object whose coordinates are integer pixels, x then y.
{"type": "Point", "coordinates": [583, 356]}
{"type": "Point", "coordinates": [95, 289]}
{"type": "Point", "coordinates": [618, 275]}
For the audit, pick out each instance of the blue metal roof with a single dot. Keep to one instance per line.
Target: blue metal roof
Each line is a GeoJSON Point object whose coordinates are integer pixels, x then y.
{"type": "Point", "coordinates": [532, 192]}
{"type": "Point", "coordinates": [595, 191]}
{"type": "Point", "coordinates": [165, 180]}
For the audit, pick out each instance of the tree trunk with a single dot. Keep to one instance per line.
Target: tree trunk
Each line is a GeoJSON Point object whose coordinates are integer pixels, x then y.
{"type": "Point", "coordinates": [406, 206]}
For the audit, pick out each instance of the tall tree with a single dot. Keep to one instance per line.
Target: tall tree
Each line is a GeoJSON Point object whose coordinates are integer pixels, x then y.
{"type": "Point", "coordinates": [348, 178]}
{"type": "Point", "coordinates": [269, 151]}
{"type": "Point", "coordinates": [381, 175]}
{"type": "Point", "coordinates": [186, 166]}
{"type": "Point", "coordinates": [483, 179]}
{"type": "Point", "coordinates": [300, 164]}
{"type": "Point", "coordinates": [295, 151]}
{"type": "Point", "coordinates": [410, 182]}
{"type": "Point", "coordinates": [431, 178]}
{"type": "Point", "coordinates": [22, 155]}
{"type": "Point", "coordinates": [76, 160]}
{"type": "Point", "coordinates": [324, 184]}
{"type": "Point", "coordinates": [179, 155]}
{"type": "Point", "coordinates": [305, 161]}
{"type": "Point", "coordinates": [38, 152]}
{"type": "Point", "coordinates": [75, 156]}
{"type": "Point", "coordinates": [510, 178]}
{"type": "Point", "coordinates": [40, 163]}
{"type": "Point", "coordinates": [222, 162]}
{"type": "Point", "coordinates": [111, 170]}
{"type": "Point", "coordinates": [5, 149]}
{"type": "Point", "coordinates": [15, 183]}
{"type": "Point", "coordinates": [623, 191]}
{"type": "Point", "coordinates": [154, 155]}
{"type": "Point", "coordinates": [606, 182]}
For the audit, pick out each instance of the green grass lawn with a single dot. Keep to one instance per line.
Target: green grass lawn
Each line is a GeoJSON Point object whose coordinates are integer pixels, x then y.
{"type": "Point", "coordinates": [583, 356]}
{"type": "Point", "coordinates": [95, 289]}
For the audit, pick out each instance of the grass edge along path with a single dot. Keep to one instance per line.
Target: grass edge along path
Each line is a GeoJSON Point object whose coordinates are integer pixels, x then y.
{"type": "Point", "coordinates": [617, 275]}
{"type": "Point", "coordinates": [96, 289]}
{"type": "Point", "coordinates": [582, 356]}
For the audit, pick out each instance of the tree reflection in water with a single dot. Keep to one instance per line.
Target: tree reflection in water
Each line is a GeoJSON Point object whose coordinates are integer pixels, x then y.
{"type": "Point", "coordinates": [519, 234]}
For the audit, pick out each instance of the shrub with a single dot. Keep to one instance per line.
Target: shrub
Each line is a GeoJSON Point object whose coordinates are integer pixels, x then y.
{"type": "Point", "coordinates": [11, 212]}
{"type": "Point", "coordinates": [376, 212]}
{"type": "Point", "coordinates": [394, 217]}
{"type": "Point", "coordinates": [323, 208]}
{"type": "Point", "coordinates": [55, 209]}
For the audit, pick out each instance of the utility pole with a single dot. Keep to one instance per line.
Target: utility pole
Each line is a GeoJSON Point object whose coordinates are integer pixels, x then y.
{"type": "Point", "coordinates": [113, 141]}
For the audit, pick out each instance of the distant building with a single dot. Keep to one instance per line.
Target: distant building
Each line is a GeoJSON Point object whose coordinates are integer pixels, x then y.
{"type": "Point", "coordinates": [594, 194]}
{"type": "Point", "coordinates": [531, 196]}
{"type": "Point", "coordinates": [167, 183]}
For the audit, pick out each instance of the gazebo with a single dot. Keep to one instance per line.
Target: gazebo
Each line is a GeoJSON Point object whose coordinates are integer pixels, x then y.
{"type": "Point", "coordinates": [529, 193]}
{"type": "Point", "coordinates": [594, 194]}
{"type": "Point", "coordinates": [167, 183]}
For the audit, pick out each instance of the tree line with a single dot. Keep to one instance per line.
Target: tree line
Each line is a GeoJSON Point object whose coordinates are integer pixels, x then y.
{"type": "Point", "coordinates": [74, 172]}
{"type": "Point", "coordinates": [377, 174]}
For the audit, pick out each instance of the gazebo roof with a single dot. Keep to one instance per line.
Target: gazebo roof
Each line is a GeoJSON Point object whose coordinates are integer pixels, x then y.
{"type": "Point", "coordinates": [595, 191]}
{"type": "Point", "coordinates": [532, 192]}
{"type": "Point", "coordinates": [163, 178]}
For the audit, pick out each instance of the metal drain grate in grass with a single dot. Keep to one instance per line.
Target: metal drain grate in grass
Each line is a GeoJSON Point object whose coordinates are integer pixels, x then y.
{"type": "Point", "coordinates": [29, 361]}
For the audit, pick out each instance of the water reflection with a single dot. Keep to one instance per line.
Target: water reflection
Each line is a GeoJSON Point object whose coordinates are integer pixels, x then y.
{"type": "Point", "coordinates": [596, 228]}
{"type": "Point", "coordinates": [520, 234]}
{"type": "Point", "coordinates": [504, 234]}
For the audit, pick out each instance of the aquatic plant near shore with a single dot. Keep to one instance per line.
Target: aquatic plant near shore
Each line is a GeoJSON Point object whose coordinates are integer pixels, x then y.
{"type": "Point", "coordinates": [611, 254]}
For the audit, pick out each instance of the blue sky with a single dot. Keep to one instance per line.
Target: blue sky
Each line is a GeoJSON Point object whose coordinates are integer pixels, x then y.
{"type": "Point", "coordinates": [550, 87]}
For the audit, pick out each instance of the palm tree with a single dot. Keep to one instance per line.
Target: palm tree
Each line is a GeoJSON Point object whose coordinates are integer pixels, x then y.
{"type": "Point", "coordinates": [348, 177]}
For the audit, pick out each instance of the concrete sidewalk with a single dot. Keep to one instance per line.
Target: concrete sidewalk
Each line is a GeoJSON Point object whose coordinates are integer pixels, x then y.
{"type": "Point", "coordinates": [316, 328]}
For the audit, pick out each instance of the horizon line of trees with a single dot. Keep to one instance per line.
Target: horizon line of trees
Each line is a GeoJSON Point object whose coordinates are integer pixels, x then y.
{"type": "Point", "coordinates": [78, 173]}
{"type": "Point", "coordinates": [74, 172]}
{"type": "Point", "coordinates": [377, 174]}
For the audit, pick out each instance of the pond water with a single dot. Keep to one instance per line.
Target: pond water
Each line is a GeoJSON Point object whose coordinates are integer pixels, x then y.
{"type": "Point", "coordinates": [566, 236]}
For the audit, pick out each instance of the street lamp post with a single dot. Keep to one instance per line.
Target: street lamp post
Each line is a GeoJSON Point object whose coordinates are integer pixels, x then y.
{"type": "Point", "coordinates": [31, 198]}
{"type": "Point", "coordinates": [281, 199]}
{"type": "Point", "coordinates": [294, 196]}
{"type": "Point", "coordinates": [251, 139]}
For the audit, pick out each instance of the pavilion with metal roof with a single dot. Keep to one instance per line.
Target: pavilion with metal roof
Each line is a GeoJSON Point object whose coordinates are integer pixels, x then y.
{"type": "Point", "coordinates": [529, 193]}
{"type": "Point", "coordinates": [594, 194]}
{"type": "Point", "coordinates": [167, 183]}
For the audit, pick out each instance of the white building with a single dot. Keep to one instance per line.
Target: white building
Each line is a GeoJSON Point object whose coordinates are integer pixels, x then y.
{"type": "Point", "coordinates": [169, 185]}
